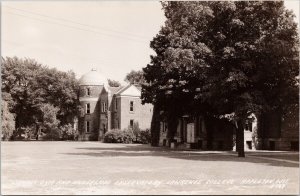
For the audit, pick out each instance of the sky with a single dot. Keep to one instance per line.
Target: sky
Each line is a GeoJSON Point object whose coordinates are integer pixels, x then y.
{"type": "Point", "coordinates": [112, 37]}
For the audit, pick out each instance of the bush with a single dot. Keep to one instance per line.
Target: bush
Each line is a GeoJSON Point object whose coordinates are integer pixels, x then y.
{"type": "Point", "coordinates": [53, 135]}
{"type": "Point", "coordinates": [68, 132]}
{"type": "Point", "coordinates": [145, 136]}
{"type": "Point", "coordinates": [119, 136]}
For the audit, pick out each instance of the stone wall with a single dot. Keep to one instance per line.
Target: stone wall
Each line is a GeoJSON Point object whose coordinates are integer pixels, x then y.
{"type": "Point", "coordinates": [93, 116]}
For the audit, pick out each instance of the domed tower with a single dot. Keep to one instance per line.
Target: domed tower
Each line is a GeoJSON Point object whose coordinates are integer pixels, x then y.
{"type": "Point", "coordinates": [91, 87]}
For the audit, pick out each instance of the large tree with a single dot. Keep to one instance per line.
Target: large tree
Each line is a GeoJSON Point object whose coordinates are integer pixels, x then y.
{"type": "Point", "coordinates": [31, 85]}
{"type": "Point", "coordinates": [224, 59]}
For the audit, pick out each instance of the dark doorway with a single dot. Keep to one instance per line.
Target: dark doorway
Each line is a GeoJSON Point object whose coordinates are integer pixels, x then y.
{"type": "Point", "coordinates": [220, 145]}
{"type": "Point", "coordinates": [272, 145]}
{"type": "Point", "coordinates": [249, 144]}
{"type": "Point", "coordinates": [164, 142]}
{"type": "Point", "coordinates": [200, 144]}
{"type": "Point", "coordinates": [295, 145]}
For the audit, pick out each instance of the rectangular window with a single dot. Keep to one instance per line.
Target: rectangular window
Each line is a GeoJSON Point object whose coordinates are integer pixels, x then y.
{"type": "Point", "coordinates": [116, 104]}
{"type": "Point", "coordinates": [88, 108]}
{"type": "Point", "coordinates": [248, 126]}
{"type": "Point", "coordinates": [117, 124]}
{"type": "Point", "coordinates": [103, 107]}
{"type": "Point", "coordinates": [104, 127]}
{"type": "Point", "coordinates": [131, 124]}
{"type": "Point", "coordinates": [88, 91]}
{"type": "Point", "coordinates": [131, 106]}
{"type": "Point", "coordinates": [87, 127]}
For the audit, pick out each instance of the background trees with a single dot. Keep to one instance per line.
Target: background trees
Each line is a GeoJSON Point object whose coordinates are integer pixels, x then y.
{"type": "Point", "coordinates": [30, 85]}
{"type": "Point", "coordinates": [7, 121]}
{"type": "Point", "coordinates": [113, 83]}
{"type": "Point", "coordinates": [223, 59]}
{"type": "Point", "coordinates": [135, 77]}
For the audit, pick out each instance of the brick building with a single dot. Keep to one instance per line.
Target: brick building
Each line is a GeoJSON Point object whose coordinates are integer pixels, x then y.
{"type": "Point", "coordinates": [106, 108]}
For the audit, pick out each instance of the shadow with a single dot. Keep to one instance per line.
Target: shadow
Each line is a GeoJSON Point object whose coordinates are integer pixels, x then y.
{"type": "Point", "coordinates": [279, 159]}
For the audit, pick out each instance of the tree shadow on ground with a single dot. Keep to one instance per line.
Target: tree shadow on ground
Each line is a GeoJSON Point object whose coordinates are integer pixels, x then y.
{"type": "Point", "coordinates": [145, 150]}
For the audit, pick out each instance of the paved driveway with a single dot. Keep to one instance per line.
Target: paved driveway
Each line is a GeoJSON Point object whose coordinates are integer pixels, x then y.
{"type": "Point", "coordinates": [98, 168]}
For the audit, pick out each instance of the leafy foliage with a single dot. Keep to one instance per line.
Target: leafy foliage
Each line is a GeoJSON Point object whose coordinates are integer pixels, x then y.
{"type": "Point", "coordinates": [32, 85]}
{"type": "Point", "coordinates": [223, 58]}
{"type": "Point", "coordinates": [113, 83]}
{"type": "Point", "coordinates": [7, 121]}
{"type": "Point", "coordinates": [49, 113]}
{"type": "Point", "coordinates": [140, 136]}
{"type": "Point", "coordinates": [119, 136]}
{"type": "Point", "coordinates": [68, 132]}
{"type": "Point", "coordinates": [135, 77]}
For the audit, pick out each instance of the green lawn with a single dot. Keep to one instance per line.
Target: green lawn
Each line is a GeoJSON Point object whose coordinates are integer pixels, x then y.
{"type": "Point", "coordinates": [98, 168]}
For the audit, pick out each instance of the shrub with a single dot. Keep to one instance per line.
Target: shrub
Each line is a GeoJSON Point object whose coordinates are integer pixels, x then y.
{"type": "Point", "coordinates": [119, 136]}
{"type": "Point", "coordinates": [145, 136]}
{"type": "Point", "coordinates": [53, 135]}
{"type": "Point", "coordinates": [68, 132]}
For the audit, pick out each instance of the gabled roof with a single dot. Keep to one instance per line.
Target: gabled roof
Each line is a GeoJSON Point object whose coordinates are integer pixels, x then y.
{"type": "Point", "coordinates": [129, 90]}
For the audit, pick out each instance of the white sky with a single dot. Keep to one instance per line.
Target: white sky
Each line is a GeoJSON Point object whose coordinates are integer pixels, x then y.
{"type": "Point", "coordinates": [111, 36]}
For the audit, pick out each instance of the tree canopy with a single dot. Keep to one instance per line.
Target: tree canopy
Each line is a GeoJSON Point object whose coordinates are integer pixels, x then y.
{"type": "Point", "coordinates": [224, 59]}
{"type": "Point", "coordinates": [135, 77]}
{"type": "Point", "coordinates": [31, 85]}
{"type": "Point", "coordinates": [113, 83]}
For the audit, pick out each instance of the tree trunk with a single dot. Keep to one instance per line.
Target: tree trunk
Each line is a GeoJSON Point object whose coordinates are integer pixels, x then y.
{"type": "Point", "coordinates": [240, 139]}
{"type": "Point", "coordinates": [172, 127]}
{"type": "Point", "coordinates": [209, 130]}
{"type": "Point", "coordinates": [155, 126]}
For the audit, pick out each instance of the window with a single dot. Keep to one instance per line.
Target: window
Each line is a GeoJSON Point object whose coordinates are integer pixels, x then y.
{"type": "Point", "coordinates": [88, 108]}
{"type": "Point", "coordinates": [249, 145]}
{"type": "Point", "coordinates": [104, 127]}
{"type": "Point", "coordinates": [103, 107]}
{"type": "Point", "coordinates": [163, 126]}
{"type": "Point", "coordinates": [131, 124]}
{"type": "Point", "coordinates": [116, 104]}
{"type": "Point", "coordinates": [87, 126]}
{"type": "Point", "coordinates": [117, 124]}
{"type": "Point", "coordinates": [131, 106]}
{"type": "Point", "coordinates": [248, 126]}
{"type": "Point", "coordinates": [88, 91]}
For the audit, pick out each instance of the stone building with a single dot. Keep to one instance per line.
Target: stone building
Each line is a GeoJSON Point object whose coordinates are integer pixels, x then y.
{"type": "Point", "coordinates": [106, 108]}
{"type": "Point", "coordinates": [200, 133]}
{"type": "Point", "coordinates": [269, 132]}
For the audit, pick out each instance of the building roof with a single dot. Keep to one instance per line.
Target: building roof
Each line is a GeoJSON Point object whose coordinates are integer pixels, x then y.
{"type": "Point", "coordinates": [129, 90]}
{"type": "Point", "coordinates": [93, 78]}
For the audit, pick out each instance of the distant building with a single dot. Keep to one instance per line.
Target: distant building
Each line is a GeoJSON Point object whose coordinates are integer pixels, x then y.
{"type": "Point", "coordinates": [106, 108]}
